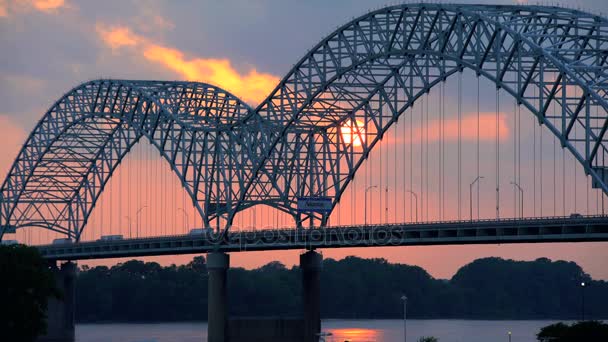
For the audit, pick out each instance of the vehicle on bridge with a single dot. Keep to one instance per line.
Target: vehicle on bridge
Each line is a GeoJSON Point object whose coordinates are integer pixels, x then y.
{"type": "Point", "coordinates": [63, 241]}
{"type": "Point", "coordinates": [200, 231]}
{"type": "Point", "coordinates": [111, 237]}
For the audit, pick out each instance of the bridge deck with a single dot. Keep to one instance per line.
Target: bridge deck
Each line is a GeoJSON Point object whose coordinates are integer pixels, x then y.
{"type": "Point", "coordinates": [532, 230]}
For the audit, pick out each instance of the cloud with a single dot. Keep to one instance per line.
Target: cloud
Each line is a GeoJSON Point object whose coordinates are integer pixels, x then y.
{"type": "Point", "coordinates": [251, 86]}
{"type": "Point", "coordinates": [117, 37]}
{"type": "Point", "coordinates": [47, 6]}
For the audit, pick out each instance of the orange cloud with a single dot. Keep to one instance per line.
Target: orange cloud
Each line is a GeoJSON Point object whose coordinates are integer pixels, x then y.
{"type": "Point", "coordinates": [117, 37]}
{"type": "Point", "coordinates": [20, 6]}
{"type": "Point", "coordinates": [47, 5]}
{"type": "Point", "coordinates": [251, 86]}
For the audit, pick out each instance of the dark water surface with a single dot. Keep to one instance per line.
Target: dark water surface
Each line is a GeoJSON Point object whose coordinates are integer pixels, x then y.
{"type": "Point", "coordinates": [342, 330]}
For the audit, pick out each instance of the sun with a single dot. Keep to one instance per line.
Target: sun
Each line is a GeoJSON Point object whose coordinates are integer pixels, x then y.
{"type": "Point", "coordinates": [353, 133]}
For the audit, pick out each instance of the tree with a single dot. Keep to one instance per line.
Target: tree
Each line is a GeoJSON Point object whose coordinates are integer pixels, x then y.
{"type": "Point", "coordinates": [552, 332]}
{"type": "Point", "coordinates": [27, 283]}
{"type": "Point", "coordinates": [582, 331]}
{"type": "Point", "coordinates": [428, 339]}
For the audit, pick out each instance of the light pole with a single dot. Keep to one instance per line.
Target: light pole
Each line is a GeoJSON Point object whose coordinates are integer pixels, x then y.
{"type": "Point", "coordinates": [129, 218]}
{"type": "Point", "coordinates": [137, 218]}
{"type": "Point", "coordinates": [583, 300]}
{"type": "Point", "coordinates": [187, 217]}
{"type": "Point", "coordinates": [404, 299]}
{"type": "Point", "coordinates": [471, 196]}
{"type": "Point", "coordinates": [521, 204]}
{"type": "Point", "coordinates": [386, 205]}
{"type": "Point", "coordinates": [365, 205]}
{"type": "Point", "coordinates": [416, 198]}
{"type": "Point", "coordinates": [509, 336]}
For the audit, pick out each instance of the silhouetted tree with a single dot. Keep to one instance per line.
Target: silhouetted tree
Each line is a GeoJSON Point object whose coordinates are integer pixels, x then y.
{"type": "Point", "coordinates": [588, 331]}
{"type": "Point", "coordinates": [428, 339]}
{"type": "Point", "coordinates": [490, 288]}
{"type": "Point", "coordinates": [27, 283]}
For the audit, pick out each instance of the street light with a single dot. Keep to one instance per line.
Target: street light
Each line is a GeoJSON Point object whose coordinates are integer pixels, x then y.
{"type": "Point", "coordinates": [416, 198]}
{"type": "Point", "coordinates": [365, 205]}
{"type": "Point", "coordinates": [521, 191]}
{"type": "Point", "coordinates": [386, 205]}
{"type": "Point", "coordinates": [137, 217]}
{"type": "Point", "coordinates": [404, 299]}
{"type": "Point", "coordinates": [583, 299]}
{"type": "Point", "coordinates": [471, 196]}
{"type": "Point", "coordinates": [509, 336]}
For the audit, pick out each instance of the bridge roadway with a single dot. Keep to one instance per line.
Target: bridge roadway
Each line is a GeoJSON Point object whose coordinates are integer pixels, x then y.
{"type": "Point", "coordinates": [527, 230]}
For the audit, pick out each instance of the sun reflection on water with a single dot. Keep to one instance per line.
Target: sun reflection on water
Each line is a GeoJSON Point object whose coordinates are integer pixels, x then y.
{"type": "Point", "coordinates": [353, 335]}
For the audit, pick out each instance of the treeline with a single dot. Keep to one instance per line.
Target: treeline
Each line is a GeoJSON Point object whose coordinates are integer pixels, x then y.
{"type": "Point", "coordinates": [490, 288]}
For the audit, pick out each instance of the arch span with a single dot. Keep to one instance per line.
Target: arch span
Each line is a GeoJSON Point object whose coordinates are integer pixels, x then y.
{"type": "Point", "coordinates": [71, 154]}
{"type": "Point", "coordinates": [552, 60]}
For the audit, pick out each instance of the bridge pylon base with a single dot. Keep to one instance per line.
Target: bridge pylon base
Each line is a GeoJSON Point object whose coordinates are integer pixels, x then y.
{"type": "Point", "coordinates": [311, 264]}
{"type": "Point", "coordinates": [217, 303]}
{"type": "Point", "coordinates": [60, 312]}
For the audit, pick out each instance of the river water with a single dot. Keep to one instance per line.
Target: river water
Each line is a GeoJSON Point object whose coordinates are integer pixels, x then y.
{"type": "Point", "coordinates": [342, 330]}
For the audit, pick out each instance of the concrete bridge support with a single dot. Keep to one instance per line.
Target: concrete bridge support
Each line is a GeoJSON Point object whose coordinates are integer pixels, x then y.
{"type": "Point", "coordinates": [311, 264]}
{"type": "Point", "coordinates": [60, 312]}
{"type": "Point", "coordinates": [217, 266]}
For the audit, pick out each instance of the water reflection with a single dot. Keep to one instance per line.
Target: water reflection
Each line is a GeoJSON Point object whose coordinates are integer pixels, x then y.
{"type": "Point", "coordinates": [353, 335]}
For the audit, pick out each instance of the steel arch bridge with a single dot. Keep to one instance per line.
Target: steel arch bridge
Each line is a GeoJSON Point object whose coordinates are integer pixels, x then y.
{"type": "Point", "coordinates": [364, 75]}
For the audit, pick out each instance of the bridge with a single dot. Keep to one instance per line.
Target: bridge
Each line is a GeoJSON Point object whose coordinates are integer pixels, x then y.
{"type": "Point", "coordinates": [379, 82]}
{"type": "Point", "coordinates": [530, 230]}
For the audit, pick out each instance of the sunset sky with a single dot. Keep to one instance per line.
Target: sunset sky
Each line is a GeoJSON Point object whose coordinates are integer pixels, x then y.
{"type": "Point", "coordinates": [50, 46]}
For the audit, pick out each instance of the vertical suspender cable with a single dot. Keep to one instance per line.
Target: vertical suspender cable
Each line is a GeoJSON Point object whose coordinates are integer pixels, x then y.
{"type": "Point", "coordinates": [534, 159]}
{"type": "Point", "coordinates": [403, 170]}
{"type": "Point", "coordinates": [515, 158]}
{"type": "Point", "coordinates": [395, 159]}
{"type": "Point", "coordinates": [563, 181]}
{"type": "Point", "coordinates": [440, 161]}
{"type": "Point", "coordinates": [426, 158]}
{"type": "Point", "coordinates": [521, 198]}
{"type": "Point", "coordinates": [381, 188]}
{"type": "Point", "coordinates": [411, 159]}
{"type": "Point", "coordinates": [421, 163]}
{"type": "Point", "coordinates": [459, 145]}
{"type": "Point", "coordinates": [443, 148]}
{"type": "Point", "coordinates": [540, 151]}
{"type": "Point", "coordinates": [497, 152]}
{"type": "Point", "coordinates": [120, 193]}
{"type": "Point", "coordinates": [554, 173]}
{"type": "Point", "coordinates": [478, 154]}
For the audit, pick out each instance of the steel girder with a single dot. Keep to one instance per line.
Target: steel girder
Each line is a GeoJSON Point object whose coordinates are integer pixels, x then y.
{"type": "Point", "coordinates": [230, 157]}
{"type": "Point", "coordinates": [552, 60]}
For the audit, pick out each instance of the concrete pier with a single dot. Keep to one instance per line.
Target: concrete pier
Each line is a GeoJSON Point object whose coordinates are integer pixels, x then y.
{"type": "Point", "coordinates": [311, 264]}
{"type": "Point", "coordinates": [60, 312]}
{"type": "Point", "coordinates": [217, 266]}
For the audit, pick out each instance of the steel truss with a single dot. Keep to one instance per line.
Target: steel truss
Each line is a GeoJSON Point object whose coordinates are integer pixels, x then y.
{"type": "Point", "coordinates": [230, 157]}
